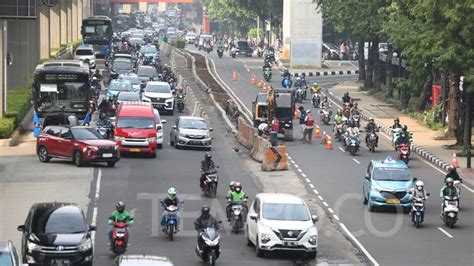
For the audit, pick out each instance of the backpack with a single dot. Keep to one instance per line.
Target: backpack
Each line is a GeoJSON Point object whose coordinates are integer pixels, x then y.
{"type": "Point", "coordinates": [310, 121]}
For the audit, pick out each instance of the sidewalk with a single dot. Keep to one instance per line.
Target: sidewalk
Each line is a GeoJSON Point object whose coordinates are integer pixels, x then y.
{"type": "Point", "coordinates": [26, 146]}
{"type": "Point", "coordinates": [424, 139]}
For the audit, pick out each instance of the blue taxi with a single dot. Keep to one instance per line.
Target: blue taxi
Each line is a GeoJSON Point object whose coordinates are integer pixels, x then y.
{"type": "Point", "coordinates": [387, 183]}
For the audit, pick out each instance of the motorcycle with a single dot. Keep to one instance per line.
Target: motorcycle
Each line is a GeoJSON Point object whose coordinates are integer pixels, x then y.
{"type": "Point", "coordinates": [171, 226]}
{"type": "Point", "coordinates": [267, 74]}
{"type": "Point", "coordinates": [395, 134]}
{"type": "Point", "coordinates": [338, 132]}
{"type": "Point", "coordinates": [210, 185]}
{"type": "Point", "coordinates": [316, 100]}
{"type": "Point", "coordinates": [105, 128]}
{"type": "Point", "coordinates": [180, 102]}
{"type": "Point", "coordinates": [356, 120]}
{"type": "Point", "coordinates": [450, 210]}
{"type": "Point", "coordinates": [226, 47]}
{"type": "Point", "coordinates": [299, 95]}
{"type": "Point", "coordinates": [236, 220]}
{"type": "Point", "coordinates": [220, 52]}
{"type": "Point", "coordinates": [418, 211]}
{"type": "Point", "coordinates": [325, 116]}
{"type": "Point", "coordinates": [119, 238]}
{"type": "Point", "coordinates": [286, 83]}
{"type": "Point", "coordinates": [353, 144]}
{"type": "Point", "coordinates": [233, 52]}
{"type": "Point", "coordinates": [210, 250]}
{"type": "Point", "coordinates": [404, 152]}
{"type": "Point", "coordinates": [259, 51]}
{"type": "Point", "coordinates": [371, 140]}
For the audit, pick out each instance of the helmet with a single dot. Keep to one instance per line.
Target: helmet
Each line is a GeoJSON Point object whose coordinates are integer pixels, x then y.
{"type": "Point", "coordinates": [452, 169]}
{"type": "Point", "coordinates": [371, 119]}
{"type": "Point", "coordinates": [120, 206]}
{"type": "Point", "coordinates": [205, 210]}
{"type": "Point", "coordinates": [315, 84]}
{"type": "Point", "coordinates": [356, 104]}
{"type": "Point", "coordinates": [325, 98]}
{"type": "Point", "coordinates": [172, 193]}
{"type": "Point", "coordinates": [346, 94]}
{"type": "Point", "coordinates": [449, 180]}
{"type": "Point", "coordinates": [404, 128]}
{"type": "Point", "coordinates": [237, 187]}
{"type": "Point", "coordinates": [397, 120]}
{"type": "Point", "coordinates": [419, 185]}
{"type": "Point", "coordinates": [286, 70]}
{"type": "Point", "coordinates": [308, 111]}
{"type": "Point", "coordinates": [97, 71]}
{"type": "Point", "coordinates": [232, 184]}
{"type": "Point", "coordinates": [208, 156]}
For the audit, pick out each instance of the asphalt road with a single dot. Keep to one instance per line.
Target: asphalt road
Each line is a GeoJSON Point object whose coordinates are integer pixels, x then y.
{"type": "Point", "coordinates": [387, 235]}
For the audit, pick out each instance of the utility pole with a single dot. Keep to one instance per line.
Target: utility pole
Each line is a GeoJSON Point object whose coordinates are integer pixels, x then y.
{"type": "Point", "coordinates": [468, 120]}
{"type": "Point", "coordinates": [444, 89]}
{"type": "Point", "coordinates": [4, 65]}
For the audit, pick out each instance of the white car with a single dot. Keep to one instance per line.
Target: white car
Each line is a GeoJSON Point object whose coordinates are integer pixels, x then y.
{"type": "Point", "coordinates": [84, 53]}
{"type": "Point", "coordinates": [159, 94]}
{"type": "Point", "coordinates": [159, 129]}
{"type": "Point", "coordinates": [190, 37]}
{"type": "Point", "coordinates": [279, 221]}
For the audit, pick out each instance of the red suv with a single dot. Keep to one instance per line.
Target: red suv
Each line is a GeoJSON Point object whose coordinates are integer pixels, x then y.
{"type": "Point", "coordinates": [81, 144]}
{"type": "Point", "coordinates": [136, 128]}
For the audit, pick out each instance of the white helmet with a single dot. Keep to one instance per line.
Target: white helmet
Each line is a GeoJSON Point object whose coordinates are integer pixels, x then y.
{"type": "Point", "coordinates": [419, 185]}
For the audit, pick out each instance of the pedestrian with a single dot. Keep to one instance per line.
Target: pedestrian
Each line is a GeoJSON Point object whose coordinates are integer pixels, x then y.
{"type": "Point", "coordinates": [274, 131]}
{"type": "Point", "coordinates": [302, 121]}
{"type": "Point", "coordinates": [342, 50]}
{"type": "Point", "coordinates": [308, 132]}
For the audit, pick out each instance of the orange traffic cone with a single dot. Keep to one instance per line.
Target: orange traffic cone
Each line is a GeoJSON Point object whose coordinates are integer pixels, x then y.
{"type": "Point", "coordinates": [455, 160]}
{"type": "Point", "coordinates": [329, 143]}
{"type": "Point", "coordinates": [295, 115]}
{"type": "Point", "coordinates": [253, 80]}
{"type": "Point", "coordinates": [317, 132]}
{"type": "Point", "coordinates": [234, 76]}
{"type": "Point", "coordinates": [324, 138]}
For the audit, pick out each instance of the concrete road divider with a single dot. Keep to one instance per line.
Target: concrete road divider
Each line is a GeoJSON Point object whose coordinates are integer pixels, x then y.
{"type": "Point", "coordinates": [258, 148]}
{"type": "Point", "coordinates": [246, 134]}
{"type": "Point", "coordinates": [275, 158]}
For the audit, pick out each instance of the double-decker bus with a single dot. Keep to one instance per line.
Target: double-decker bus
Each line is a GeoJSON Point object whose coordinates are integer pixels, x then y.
{"type": "Point", "coordinates": [121, 22]}
{"type": "Point", "coordinates": [97, 31]}
{"type": "Point", "coordinates": [61, 86]}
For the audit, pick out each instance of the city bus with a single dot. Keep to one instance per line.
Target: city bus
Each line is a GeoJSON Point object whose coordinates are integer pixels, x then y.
{"type": "Point", "coordinates": [97, 31]}
{"type": "Point", "coordinates": [61, 86]}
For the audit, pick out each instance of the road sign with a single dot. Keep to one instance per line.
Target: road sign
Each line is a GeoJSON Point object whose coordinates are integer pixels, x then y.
{"type": "Point", "coordinates": [18, 9]}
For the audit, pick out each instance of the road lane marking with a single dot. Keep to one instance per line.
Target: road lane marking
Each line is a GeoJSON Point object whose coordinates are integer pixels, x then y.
{"type": "Point", "coordinates": [304, 175]}
{"type": "Point", "coordinates": [336, 217]}
{"type": "Point", "coordinates": [341, 149]}
{"type": "Point", "coordinates": [299, 170]}
{"type": "Point", "coordinates": [288, 156]}
{"type": "Point", "coordinates": [355, 160]}
{"type": "Point", "coordinates": [96, 199]}
{"type": "Point", "coordinates": [319, 197]}
{"type": "Point", "coordinates": [296, 165]}
{"type": "Point", "coordinates": [292, 161]}
{"type": "Point", "coordinates": [307, 180]}
{"type": "Point", "coordinates": [361, 247]}
{"type": "Point", "coordinates": [330, 210]}
{"type": "Point", "coordinates": [316, 192]}
{"type": "Point", "coordinates": [311, 185]}
{"type": "Point", "coordinates": [444, 232]}
{"type": "Point", "coordinates": [325, 204]}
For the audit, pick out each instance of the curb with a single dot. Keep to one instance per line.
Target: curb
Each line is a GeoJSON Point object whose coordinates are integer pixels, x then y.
{"type": "Point", "coordinates": [327, 73]}
{"type": "Point", "coordinates": [443, 165]}
{"type": "Point", "coordinates": [16, 134]}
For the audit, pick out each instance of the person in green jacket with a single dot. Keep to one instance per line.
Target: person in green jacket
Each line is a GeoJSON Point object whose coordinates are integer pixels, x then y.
{"type": "Point", "coordinates": [119, 215]}
{"type": "Point", "coordinates": [237, 197]}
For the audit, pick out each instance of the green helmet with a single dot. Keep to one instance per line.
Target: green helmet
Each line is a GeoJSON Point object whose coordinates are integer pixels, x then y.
{"type": "Point", "coordinates": [172, 193]}
{"type": "Point", "coordinates": [449, 180]}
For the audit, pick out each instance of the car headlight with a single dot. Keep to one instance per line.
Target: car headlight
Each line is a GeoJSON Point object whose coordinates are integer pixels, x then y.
{"type": "Point", "coordinates": [91, 148]}
{"type": "Point", "coordinates": [169, 99]}
{"type": "Point", "coordinates": [146, 99]}
{"type": "Point", "coordinates": [117, 138]}
{"type": "Point", "coordinates": [374, 188]}
{"type": "Point", "coordinates": [313, 240]}
{"type": "Point", "coordinates": [116, 147]}
{"type": "Point", "coordinates": [160, 136]}
{"type": "Point", "coordinates": [85, 246]}
{"type": "Point", "coordinates": [151, 139]}
{"type": "Point", "coordinates": [32, 246]}
{"type": "Point", "coordinates": [264, 238]}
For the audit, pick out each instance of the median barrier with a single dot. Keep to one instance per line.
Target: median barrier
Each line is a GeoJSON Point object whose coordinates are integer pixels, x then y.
{"type": "Point", "coordinates": [258, 148]}
{"type": "Point", "coordinates": [275, 158]}
{"type": "Point", "coordinates": [246, 134]}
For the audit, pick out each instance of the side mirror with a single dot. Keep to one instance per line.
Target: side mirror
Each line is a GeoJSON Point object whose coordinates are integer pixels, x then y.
{"type": "Point", "coordinates": [164, 121]}
{"type": "Point", "coordinates": [428, 194]}
{"type": "Point", "coordinates": [92, 227]}
{"type": "Point", "coordinates": [367, 177]}
{"type": "Point", "coordinates": [315, 218]}
{"type": "Point", "coordinates": [253, 216]}
{"type": "Point", "coordinates": [211, 129]}
{"type": "Point", "coordinates": [415, 179]}
{"type": "Point", "coordinates": [175, 127]}
{"type": "Point", "coordinates": [158, 127]}
{"type": "Point", "coordinates": [21, 228]}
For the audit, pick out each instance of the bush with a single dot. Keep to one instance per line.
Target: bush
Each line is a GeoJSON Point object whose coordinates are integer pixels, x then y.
{"type": "Point", "coordinates": [6, 127]}
{"type": "Point", "coordinates": [18, 102]}
{"type": "Point", "coordinates": [180, 44]}
{"type": "Point", "coordinates": [254, 32]}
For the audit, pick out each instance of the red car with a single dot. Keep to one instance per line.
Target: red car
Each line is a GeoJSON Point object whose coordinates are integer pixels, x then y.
{"type": "Point", "coordinates": [81, 144]}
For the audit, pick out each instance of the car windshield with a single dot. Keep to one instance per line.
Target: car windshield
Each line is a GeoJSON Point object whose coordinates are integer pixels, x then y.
{"type": "Point", "coordinates": [285, 212]}
{"type": "Point", "coordinates": [135, 41]}
{"type": "Point", "coordinates": [122, 65]}
{"type": "Point", "coordinates": [148, 49]}
{"type": "Point", "coordinates": [133, 79]}
{"type": "Point", "coordinates": [85, 133]}
{"type": "Point", "coordinates": [54, 221]}
{"type": "Point", "coordinates": [84, 52]}
{"type": "Point", "coordinates": [135, 122]}
{"type": "Point", "coordinates": [146, 71]}
{"type": "Point", "coordinates": [120, 86]}
{"type": "Point", "coordinates": [5, 259]}
{"type": "Point", "coordinates": [391, 174]}
{"type": "Point", "coordinates": [192, 124]}
{"type": "Point", "coordinates": [158, 88]}
{"type": "Point", "coordinates": [128, 97]}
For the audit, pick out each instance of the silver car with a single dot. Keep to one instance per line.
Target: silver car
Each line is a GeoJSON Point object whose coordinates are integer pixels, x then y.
{"type": "Point", "coordinates": [191, 131]}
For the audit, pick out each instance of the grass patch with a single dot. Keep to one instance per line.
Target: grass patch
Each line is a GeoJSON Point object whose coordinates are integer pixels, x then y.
{"type": "Point", "coordinates": [18, 103]}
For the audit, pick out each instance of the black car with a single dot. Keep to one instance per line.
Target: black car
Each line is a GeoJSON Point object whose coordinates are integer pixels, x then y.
{"type": "Point", "coordinates": [242, 48]}
{"type": "Point", "coordinates": [56, 234]}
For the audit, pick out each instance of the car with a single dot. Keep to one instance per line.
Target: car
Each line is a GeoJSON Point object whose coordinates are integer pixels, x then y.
{"type": "Point", "coordinates": [128, 96]}
{"type": "Point", "coordinates": [330, 51]}
{"type": "Point", "coordinates": [85, 53]}
{"type": "Point", "coordinates": [149, 51]}
{"type": "Point", "coordinates": [120, 66]}
{"type": "Point", "coordinates": [134, 41]}
{"type": "Point", "coordinates": [159, 128]}
{"type": "Point", "coordinates": [136, 128]}
{"type": "Point", "coordinates": [190, 37]}
{"type": "Point", "coordinates": [133, 78]}
{"type": "Point", "coordinates": [81, 144]}
{"type": "Point", "coordinates": [171, 31]}
{"type": "Point", "coordinates": [159, 94]}
{"type": "Point", "coordinates": [124, 56]}
{"type": "Point", "coordinates": [147, 73]}
{"type": "Point", "coordinates": [387, 183]}
{"type": "Point", "coordinates": [9, 255]}
{"type": "Point", "coordinates": [281, 222]}
{"type": "Point", "coordinates": [119, 85]}
{"type": "Point", "coordinates": [142, 260]}
{"type": "Point", "coordinates": [56, 233]}
{"type": "Point", "coordinates": [191, 131]}
{"type": "Point", "coordinates": [243, 48]}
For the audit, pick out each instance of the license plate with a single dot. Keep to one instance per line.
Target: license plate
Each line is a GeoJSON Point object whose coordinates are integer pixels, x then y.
{"type": "Point", "coordinates": [134, 150]}
{"type": "Point", "coordinates": [393, 201]}
{"type": "Point", "coordinates": [60, 262]}
{"type": "Point", "coordinates": [194, 142]}
{"type": "Point", "coordinates": [107, 155]}
{"type": "Point", "coordinates": [290, 243]}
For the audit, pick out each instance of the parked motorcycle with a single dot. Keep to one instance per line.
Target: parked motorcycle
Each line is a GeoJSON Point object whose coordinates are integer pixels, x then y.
{"type": "Point", "coordinates": [171, 226]}
{"type": "Point", "coordinates": [404, 152]}
{"type": "Point", "coordinates": [450, 210]}
{"type": "Point", "coordinates": [418, 211]}
{"type": "Point", "coordinates": [325, 116]}
{"type": "Point", "coordinates": [180, 102]}
{"type": "Point", "coordinates": [267, 74]}
{"type": "Point", "coordinates": [237, 214]}
{"type": "Point", "coordinates": [210, 185]}
{"type": "Point", "coordinates": [119, 238]}
{"type": "Point", "coordinates": [210, 249]}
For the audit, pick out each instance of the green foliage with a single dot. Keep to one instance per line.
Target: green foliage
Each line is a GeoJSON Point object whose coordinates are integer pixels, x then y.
{"type": "Point", "coordinates": [180, 43]}
{"type": "Point", "coordinates": [6, 127]}
{"type": "Point", "coordinates": [428, 119]}
{"type": "Point", "coordinates": [18, 103]}
{"type": "Point", "coordinates": [254, 32]}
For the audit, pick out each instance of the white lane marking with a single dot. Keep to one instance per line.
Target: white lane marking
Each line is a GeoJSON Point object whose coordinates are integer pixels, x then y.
{"type": "Point", "coordinates": [319, 197]}
{"type": "Point", "coordinates": [288, 156]}
{"type": "Point", "coordinates": [307, 180]}
{"type": "Point", "coordinates": [316, 192]}
{"type": "Point", "coordinates": [325, 204]}
{"type": "Point", "coordinates": [311, 185]}
{"type": "Point", "coordinates": [330, 210]}
{"type": "Point", "coordinates": [468, 188]}
{"type": "Point", "coordinates": [336, 217]}
{"type": "Point", "coordinates": [303, 175]}
{"type": "Point", "coordinates": [296, 165]}
{"type": "Point", "coordinates": [355, 160]}
{"type": "Point", "coordinates": [299, 170]}
{"type": "Point", "coordinates": [361, 247]}
{"type": "Point", "coordinates": [444, 232]}
{"type": "Point", "coordinates": [341, 149]}
{"type": "Point", "coordinates": [292, 161]}
{"type": "Point", "coordinates": [96, 199]}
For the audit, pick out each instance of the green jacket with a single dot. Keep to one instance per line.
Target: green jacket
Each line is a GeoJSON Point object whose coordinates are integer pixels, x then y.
{"type": "Point", "coordinates": [123, 217]}
{"type": "Point", "coordinates": [337, 119]}
{"type": "Point", "coordinates": [238, 196]}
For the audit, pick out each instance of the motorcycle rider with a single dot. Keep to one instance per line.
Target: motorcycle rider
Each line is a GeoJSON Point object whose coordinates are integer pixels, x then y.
{"type": "Point", "coordinates": [355, 109]}
{"type": "Point", "coordinates": [315, 88]}
{"type": "Point", "coordinates": [119, 215]}
{"type": "Point", "coordinates": [325, 103]}
{"type": "Point", "coordinates": [236, 197]}
{"type": "Point", "coordinates": [419, 190]}
{"type": "Point", "coordinates": [286, 73]}
{"type": "Point", "coordinates": [170, 200]}
{"type": "Point", "coordinates": [351, 131]}
{"type": "Point", "coordinates": [396, 124]}
{"type": "Point", "coordinates": [231, 189]}
{"type": "Point", "coordinates": [371, 127]}
{"type": "Point", "coordinates": [403, 139]}
{"type": "Point", "coordinates": [448, 190]}
{"type": "Point", "coordinates": [338, 117]}
{"type": "Point", "coordinates": [204, 221]}
{"type": "Point", "coordinates": [207, 165]}
{"type": "Point", "coordinates": [97, 75]}
{"type": "Point", "coordinates": [302, 121]}
{"type": "Point", "coordinates": [346, 98]}
{"type": "Point", "coordinates": [452, 173]}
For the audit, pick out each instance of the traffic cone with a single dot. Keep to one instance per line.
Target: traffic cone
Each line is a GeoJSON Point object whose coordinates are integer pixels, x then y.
{"type": "Point", "coordinates": [324, 138]}
{"type": "Point", "coordinates": [295, 115]}
{"type": "Point", "coordinates": [329, 143]}
{"type": "Point", "coordinates": [317, 132]}
{"type": "Point", "coordinates": [253, 80]}
{"type": "Point", "coordinates": [455, 160]}
{"type": "Point", "coordinates": [234, 76]}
